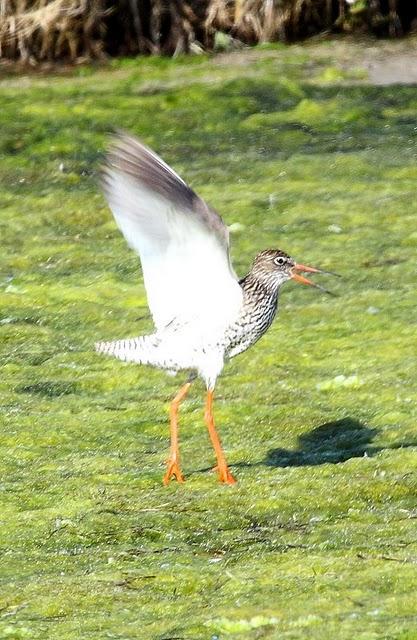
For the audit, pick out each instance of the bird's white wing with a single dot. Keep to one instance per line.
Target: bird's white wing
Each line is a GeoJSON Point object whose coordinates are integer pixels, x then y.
{"type": "Point", "coordinates": [183, 244]}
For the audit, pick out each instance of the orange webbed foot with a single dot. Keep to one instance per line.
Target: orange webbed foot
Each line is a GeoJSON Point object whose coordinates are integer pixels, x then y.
{"type": "Point", "coordinates": [173, 470]}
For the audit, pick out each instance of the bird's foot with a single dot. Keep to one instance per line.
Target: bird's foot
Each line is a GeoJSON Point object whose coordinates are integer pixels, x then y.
{"type": "Point", "coordinates": [224, 474]}
{"type": "Point", "coordinates": [173, 470]}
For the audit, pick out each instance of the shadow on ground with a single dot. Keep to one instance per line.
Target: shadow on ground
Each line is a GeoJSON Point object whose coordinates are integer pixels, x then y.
{"type": "Point", "coordinates": [332, 442]}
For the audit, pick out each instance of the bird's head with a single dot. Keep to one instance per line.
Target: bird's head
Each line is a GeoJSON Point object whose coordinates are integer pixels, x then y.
{"type": "Point", "coordinates": [274, 267]}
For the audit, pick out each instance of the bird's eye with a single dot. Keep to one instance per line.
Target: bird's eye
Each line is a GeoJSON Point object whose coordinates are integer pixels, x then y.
{"type": "Point", "coordinates": [279, 261]}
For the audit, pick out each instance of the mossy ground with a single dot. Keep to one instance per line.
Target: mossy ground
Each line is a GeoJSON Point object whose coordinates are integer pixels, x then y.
{"type": "Point", "coordinates": [318, 539]}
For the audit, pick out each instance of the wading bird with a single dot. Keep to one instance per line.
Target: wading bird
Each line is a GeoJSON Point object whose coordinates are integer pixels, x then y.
{"type": "Point", "coordinates": [203, 314]}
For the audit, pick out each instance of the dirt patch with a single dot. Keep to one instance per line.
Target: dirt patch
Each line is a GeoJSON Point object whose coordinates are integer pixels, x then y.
{"type": "Point", "coordinates": [383, 62]}
{"type": "Point", "coordinates": [386, 62]}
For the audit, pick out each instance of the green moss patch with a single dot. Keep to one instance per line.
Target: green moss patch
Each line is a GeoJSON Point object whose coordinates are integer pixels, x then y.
{"type": "Point", "coordinates": [317, 540]}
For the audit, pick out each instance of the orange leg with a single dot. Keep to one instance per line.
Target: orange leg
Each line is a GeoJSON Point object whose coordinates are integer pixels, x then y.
{"type": "Point", "coordinates": [173, 462]}
{"type": "Point", "coordinates": [222, 468]}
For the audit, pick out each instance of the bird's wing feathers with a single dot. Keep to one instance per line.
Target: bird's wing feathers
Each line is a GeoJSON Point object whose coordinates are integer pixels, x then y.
{"type": "Point", "coordinates": [182, 243]}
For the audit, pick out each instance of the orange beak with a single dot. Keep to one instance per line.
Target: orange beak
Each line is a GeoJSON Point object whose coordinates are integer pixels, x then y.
{"type": "Point", "coordinates": [303, 280]}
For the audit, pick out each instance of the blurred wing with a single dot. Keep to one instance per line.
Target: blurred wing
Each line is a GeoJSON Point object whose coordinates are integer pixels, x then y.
{"type": "Point", "coordinates": [182, 243]}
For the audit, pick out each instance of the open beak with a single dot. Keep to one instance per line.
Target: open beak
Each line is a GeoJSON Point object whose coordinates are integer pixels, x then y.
{"type": "Point", "coordinates": [301, 267]}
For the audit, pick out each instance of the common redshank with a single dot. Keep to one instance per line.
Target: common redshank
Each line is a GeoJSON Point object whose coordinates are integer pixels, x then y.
{"type": "Point", "coordinates": [203, 315]}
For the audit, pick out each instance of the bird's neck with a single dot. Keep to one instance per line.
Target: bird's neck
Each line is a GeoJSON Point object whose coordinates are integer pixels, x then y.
{"type": "Point", "coordinates": [261, 290]}
{"type": "Point", "coordinates": [260, 301]}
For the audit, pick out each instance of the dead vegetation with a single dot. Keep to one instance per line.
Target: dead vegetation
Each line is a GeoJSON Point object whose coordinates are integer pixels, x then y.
{"type": "Point", "coordinates": [51, 30]}
{"type": "Point", "coordinates": [39, 30]}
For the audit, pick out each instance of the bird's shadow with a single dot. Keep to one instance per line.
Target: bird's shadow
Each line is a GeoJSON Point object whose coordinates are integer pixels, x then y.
{"type": "Point", "coordinates": [330, 443]}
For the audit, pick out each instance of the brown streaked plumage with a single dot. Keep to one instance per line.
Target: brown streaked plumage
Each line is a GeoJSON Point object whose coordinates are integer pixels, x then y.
{"type": "Point", "coordinates": [203, 316]}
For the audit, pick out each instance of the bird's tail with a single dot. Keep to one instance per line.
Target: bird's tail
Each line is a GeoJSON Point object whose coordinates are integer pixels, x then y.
{"type": "Point", "coordinates": [143, 349]}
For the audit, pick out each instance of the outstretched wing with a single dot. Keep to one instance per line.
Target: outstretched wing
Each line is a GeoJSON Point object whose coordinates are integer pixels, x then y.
{"type": "Point", "coordinates": [183, 244]}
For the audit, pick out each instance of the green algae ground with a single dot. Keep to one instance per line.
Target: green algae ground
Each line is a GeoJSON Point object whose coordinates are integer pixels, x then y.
{"type": "Point", "coordinates": [318, 539]}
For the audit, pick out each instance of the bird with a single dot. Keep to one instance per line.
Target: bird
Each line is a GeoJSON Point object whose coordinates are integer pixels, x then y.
{"type": "Point", "coordinates": [203, 314]}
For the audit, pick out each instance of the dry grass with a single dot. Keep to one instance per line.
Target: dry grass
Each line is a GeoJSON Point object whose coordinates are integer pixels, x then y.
{"type": "Point", "coordinates": [35, 30]}
{"type": "Point", "coordinates": [267, 20]}
{"type": "Point", "coordinates": [43, 30]}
